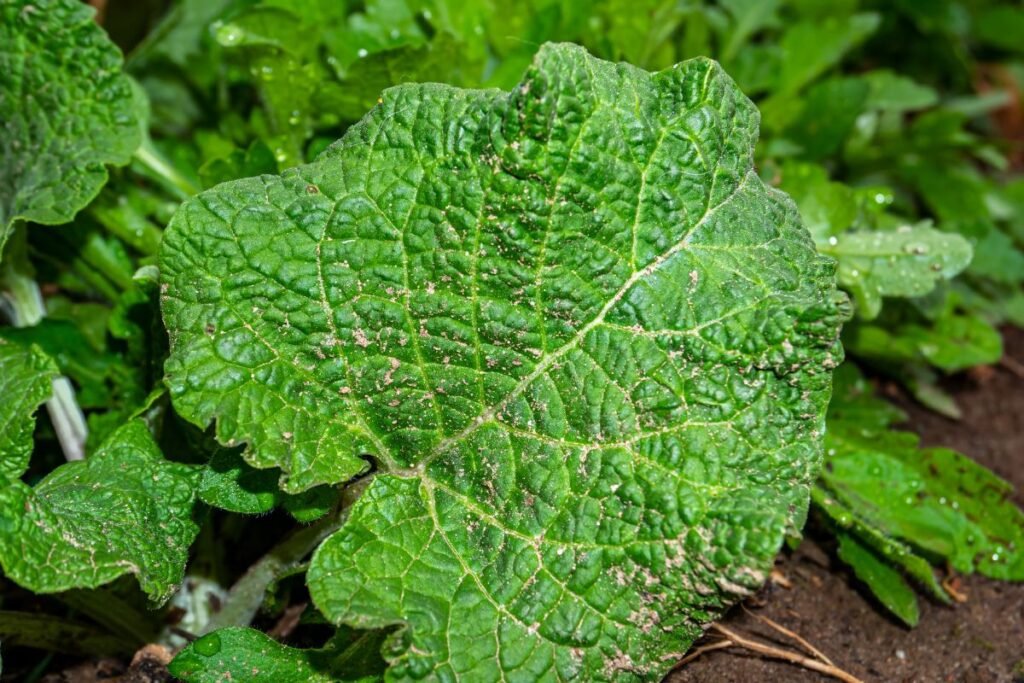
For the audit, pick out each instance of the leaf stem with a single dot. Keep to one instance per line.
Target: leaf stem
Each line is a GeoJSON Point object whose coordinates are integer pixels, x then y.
{"type": "Point", "coordinates": [25, 304]}
{"type": "Point", "coordinates": [163, 172]}
{"type": "Point", "coordinates": [246, 596]}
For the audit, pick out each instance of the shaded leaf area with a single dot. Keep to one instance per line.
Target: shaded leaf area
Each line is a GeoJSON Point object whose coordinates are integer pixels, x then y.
{"type": "Point", "coordinates": [250, 655]}
{"type": "Point", "coordinates": [57, 634]}
{"type": "Point", "coordinates": [26, 380]}
{"type": "Point", "coordinates": [67, 110]}
{"type": "Point", "coordinates": [575, 330]}
{"type": "Point", "coordinates": [230, 483]}
{"type": "Point", "coordinates": [904, 505]}
{"type": "Point", "coordinates": [124, 510]}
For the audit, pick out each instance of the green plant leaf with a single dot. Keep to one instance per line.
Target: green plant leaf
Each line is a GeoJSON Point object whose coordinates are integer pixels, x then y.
{"type": "Point", "coordinates": [828, 114]}
{"type": "Point", "coordinates": [1002, 27]}
{"type": "Point", "coordinates": [906, 262]}
{"type": "Point", "coordinates": [934, 499]}
{"type": "Point", "coordinates": [893, 92]}
{"type": "Point", "coordinates": [67, 110]}
{"type": "Point", "coordinates": [589, 350]}
{"type": "Point", "coordinates": [244, 654]}
{"type": "Point", "coordinates": [952, 342]}
{"type": "Point", "coordinates": [749, 16]}
{"type": "Point", "coordinates": [895, 552]}
{"type": "Point", "coordinates": [230, 483]}
{"type": "Point", "coordinates": [884, 581]}
{"type": "Point", "coordinates": [124, 510]}
{"type": "Point", "coordinates": [808, 49]}
{"type": "Point", "coordinates": [26, 380]}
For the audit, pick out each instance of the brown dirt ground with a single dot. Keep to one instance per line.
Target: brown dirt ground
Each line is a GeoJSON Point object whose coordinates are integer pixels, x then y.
{"type": "Point", "coordinates": [979, 641]}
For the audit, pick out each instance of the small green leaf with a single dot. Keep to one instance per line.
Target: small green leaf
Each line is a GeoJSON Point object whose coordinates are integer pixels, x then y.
{"type": "Point", "coordinates": [749, 16]}
{"type": "Point", "coordinates": [67, 110]}
{"type": "Point", "coordinates": [906, 262]}
{"type": "Point", "coordinates": [808, 49]}
{"type": "Point", "coordinates": [957, 342]}
{"type": "Point", "coordinates": [934, 499]}
{"type": "Point", "coordinates": [229, 483]}
{"type": "Point", "coordinates": [587, 348]}
{"type": "Point", "coordinates": [885, 582]}
{"type": "Point", "coordinates": [244, 654]}
{"type": "Point", "coordinates": [124, 510]}
{"type": "Point", "coordinates": [1002, 27]}
{"type": "Point", "coordinates": [889, 91]}
{"type": "Point", "coordinates": [998, 257]}
{"type": "Point", "coordinates": [26, 380]}
{"type": "Point", "coordinates": [893, 551]}
{"type": "Point", "coordinates": [828, 208]}
{"type": "Point", "coordinates": [829, 112]}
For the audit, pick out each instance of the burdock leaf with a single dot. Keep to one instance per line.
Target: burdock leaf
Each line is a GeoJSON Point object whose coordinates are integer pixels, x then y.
{"type": "Point", "coordinates": [26, 380]}
{"type": "Point", "coordinates": [66, 110]}
{"type": "Point", "coordinates": [123, 510]}
{"type": "Point", "coordinates": [588, 349]}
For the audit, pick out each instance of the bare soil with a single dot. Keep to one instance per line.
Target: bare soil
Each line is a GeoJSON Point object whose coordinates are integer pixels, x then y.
{"type": "Point", "coordinates": [978, 641]}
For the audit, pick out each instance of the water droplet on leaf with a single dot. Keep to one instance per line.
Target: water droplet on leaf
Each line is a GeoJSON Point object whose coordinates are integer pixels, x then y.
{"type": "Point", "coordinates": [208, 645]}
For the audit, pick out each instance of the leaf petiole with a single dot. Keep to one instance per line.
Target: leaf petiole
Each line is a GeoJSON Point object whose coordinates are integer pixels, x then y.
{"type": "Point", "coordinates": [159, 169]}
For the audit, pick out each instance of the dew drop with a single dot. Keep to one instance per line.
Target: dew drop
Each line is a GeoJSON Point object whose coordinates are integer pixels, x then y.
{"type": "Point", "coordinates": [208, 645]}
{"type": "Point", "coordinates": [229, 34]}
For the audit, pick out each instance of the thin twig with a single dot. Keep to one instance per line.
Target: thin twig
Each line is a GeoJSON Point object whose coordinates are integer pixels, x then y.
{"type": "Point", "coordinates": [796, 637]}
{"type": "Point", "coordinates": [951, 584]}
{"type": "Point", "coordinates": [786, 655]}
{"type": "Point", "coordinates": [1013, 365]}
{"type": "Point", "coordinates": [698, 651]}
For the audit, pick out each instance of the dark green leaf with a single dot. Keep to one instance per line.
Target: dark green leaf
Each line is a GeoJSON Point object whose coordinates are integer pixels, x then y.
{"type": "Point", "coordinates": [26, 380]}
{"type": "Point", "coordinates": [244, 654]}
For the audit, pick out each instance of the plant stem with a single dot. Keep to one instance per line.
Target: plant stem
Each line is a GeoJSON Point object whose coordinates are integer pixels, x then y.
{"type": "Point", "coordinates": [246, 596]}
{"type": "Point", "coordinates": [27, 309]}
{"type": "Point", "coordinates": [162, 171]}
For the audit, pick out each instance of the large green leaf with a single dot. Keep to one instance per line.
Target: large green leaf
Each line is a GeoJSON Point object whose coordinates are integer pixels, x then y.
{"type": "Point", "coordinates": [124, 510]}
{"type": "Point", "coordinates": [26, 380]}
{"type": "Point", "coordinates": [66, 110]}
{"type": "Point", "coordinates": [588, 349]}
